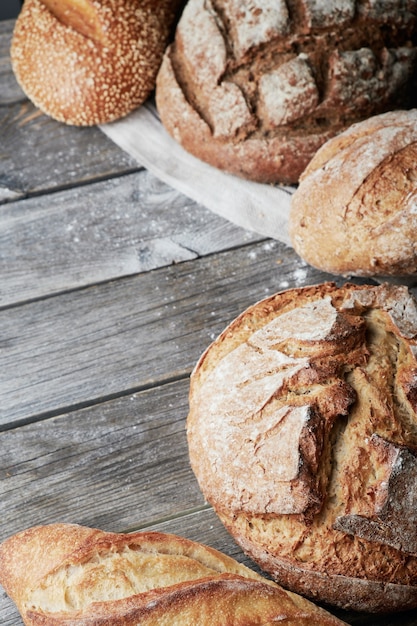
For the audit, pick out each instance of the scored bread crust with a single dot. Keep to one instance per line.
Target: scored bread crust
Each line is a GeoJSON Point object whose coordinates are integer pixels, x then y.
{"type": "Point", "coordinates": [355, 210]}
{"type": "Point", "coordinates": [65, 574]}
{"type": "Point", "coordinates": [254, 88]}
{"type": "Point", "coordinates": [87, 80]}
{"type": "Point", "coordinates": [302, 434]}
{"type": "Point", "coordinates": [266, 160]}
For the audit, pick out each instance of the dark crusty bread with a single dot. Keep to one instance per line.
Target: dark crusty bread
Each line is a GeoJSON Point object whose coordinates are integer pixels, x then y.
{"type": "Point", "coordinates": [355, 210]}
{"type": "Point", "coordinates": [302, 434]}
{"type": "Point", "coordinates": [254, 88]}
{"type": "Point", "coordinates": [65, 574]}
{"type": "Point", "coordinates": [91, 61]}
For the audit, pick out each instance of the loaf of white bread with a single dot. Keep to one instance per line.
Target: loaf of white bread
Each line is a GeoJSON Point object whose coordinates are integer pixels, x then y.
{"type": "Point", "coordinates": [255, 87]}
{"type": "Point", "coordinates": [91, 61]}
{"type": "Point", "coordinates": [355, 209]}
{"type": "Point", "coordinates": [302, 434]}
{"type": "Point", "coordinates": [65, 574]}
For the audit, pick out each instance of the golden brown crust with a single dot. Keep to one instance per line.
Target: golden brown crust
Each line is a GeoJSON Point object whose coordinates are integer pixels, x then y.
{"type": "Point", "coordinates": [67, 575]}
{"type": "Point", "coordinates": [346, 592]}
{"type": "Point", "coordinates": [263, 159]}
{"type": "Point", "coordinates": [264, 85]}
{"type": "Point", "coordinates": [94, 64]}
{"type": "Point", "coordinates": [302, 434]}
{"type": "Point", "coordinates": [354, 211]}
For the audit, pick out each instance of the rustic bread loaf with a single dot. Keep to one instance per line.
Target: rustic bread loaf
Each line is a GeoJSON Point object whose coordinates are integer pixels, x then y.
{"type": "Point", "coordinates": [355, 210]}
{"type": "Point", "coordinates": [302, 434]}
{"type": "Point", "coordinates": [255, 87]}
{"type": "Point", "coordinates": [68, 574]}
{"type": "Point", "coordinates": [91, 61]}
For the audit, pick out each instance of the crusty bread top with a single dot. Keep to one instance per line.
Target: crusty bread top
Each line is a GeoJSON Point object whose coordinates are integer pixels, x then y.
{"type": "Point", "coordinates": [354, 211]}
{"type": "Point", "coordinates": [218, 52]}
{"type": "Point", "coordinates": [67, 574]}
{"type": "Point", "coordinates": [302, 430]}
{"type": "Point", "coordinates": [272, 399]}
{"type": "Point", "coordinates": [235, 414]}
{"type": "Point", "coordinates": [91, 70]}
{"type": "Point", "coordinates": [255, 75]}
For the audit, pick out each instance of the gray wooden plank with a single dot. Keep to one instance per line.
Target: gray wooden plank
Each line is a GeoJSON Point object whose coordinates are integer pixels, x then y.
{"type": "Point", "coordinates": [102, 231]}
{"type": "Point", "coordinates": [82, 346]}
{"type": "Point", "coordinates": [10, 91]}
{"type": "Point", "coordinates": [117, 465]}
{"type": "Point", "coordinates": [39, 154]}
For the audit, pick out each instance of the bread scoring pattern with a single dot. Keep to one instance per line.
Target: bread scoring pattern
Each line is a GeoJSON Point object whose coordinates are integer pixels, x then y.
{"type": "Point", "coordinates": [282, 72]}
{"type": "Point", "coordinates": [79, 576]}
{"type": "Point", "coordinates": [303, 433]}
{"type": "Point", "coordinates": [254, 409]}
{"type": "Point", "coordinates": [355, 210]}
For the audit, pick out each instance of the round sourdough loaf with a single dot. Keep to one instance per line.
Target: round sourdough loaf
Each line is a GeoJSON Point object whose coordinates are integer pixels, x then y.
{"type": "Point", "coordinates": [254, 87]}
{"type": "Point", "coordinates": [68, 574]}
{"type": "Point", "coordinates": [302, 434]}
{"type": "Point", "coordinates": [91, 61]}
{"type": "Point", "coordinates": [355, 210]}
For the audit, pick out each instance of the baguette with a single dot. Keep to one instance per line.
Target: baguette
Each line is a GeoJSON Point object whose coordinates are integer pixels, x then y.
{"type": "Point", "coordinates": [69, 575]}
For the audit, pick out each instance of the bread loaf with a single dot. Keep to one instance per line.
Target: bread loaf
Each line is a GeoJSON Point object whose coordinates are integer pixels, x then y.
{"type": "Point", "coordinates": [302, 434]}
{"type": "Point", "coordinates": [355, 210]}
{"type": "Point", "coordinates": [256, 87]}
{"type": "Point", "coordinates": [91, 61]}
{"type": "Point", "coordinates": [64, 574]}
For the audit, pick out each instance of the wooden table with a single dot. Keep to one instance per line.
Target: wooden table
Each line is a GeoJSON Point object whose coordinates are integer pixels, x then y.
{"type": "Point", "coordinates": [111, 286]}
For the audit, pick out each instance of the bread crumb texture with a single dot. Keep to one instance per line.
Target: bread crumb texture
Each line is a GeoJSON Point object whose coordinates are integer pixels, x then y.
{"type": "Point", "coordinates": [300, 71]}
{"type": "Point", "coordinates": [70, 574]}
{"type": "Point", "coordinates": [99, 70]}
{"type": "Point", "coordinates": [302, 434]}
{"type": "Point", "coordinates": [355, 210]}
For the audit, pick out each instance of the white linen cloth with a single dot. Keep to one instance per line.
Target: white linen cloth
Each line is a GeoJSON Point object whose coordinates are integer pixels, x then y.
{"type": "Point", "coordinates": [263, 209]}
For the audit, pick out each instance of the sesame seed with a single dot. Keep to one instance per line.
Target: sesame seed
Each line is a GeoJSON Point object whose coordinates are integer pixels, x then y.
{"type": "Point", "coordinates": [76, 79]}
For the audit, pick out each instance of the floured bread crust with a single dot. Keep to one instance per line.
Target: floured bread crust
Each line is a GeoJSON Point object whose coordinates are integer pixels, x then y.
{"type": "Point", "coordinates": [256, 87]}
{"type": "Point", "coordinates": [65, 574]}
{"type": "Point", "coordinates": [302, 433]}
{"type": "Point", "coordinates": [355, 210]}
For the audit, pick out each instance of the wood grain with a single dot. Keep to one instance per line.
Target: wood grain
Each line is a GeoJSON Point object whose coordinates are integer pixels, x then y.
{"type": "Point", "coordinates": [116, 465]}
{"type": "Point", "coordinates": [84, 346]}
{"type": "Point", "coordinates": [39, 154]}
{"type": "Point", "coordinates": [106, 230]}
{"type": "Point", "coordinates": [10, 92]}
